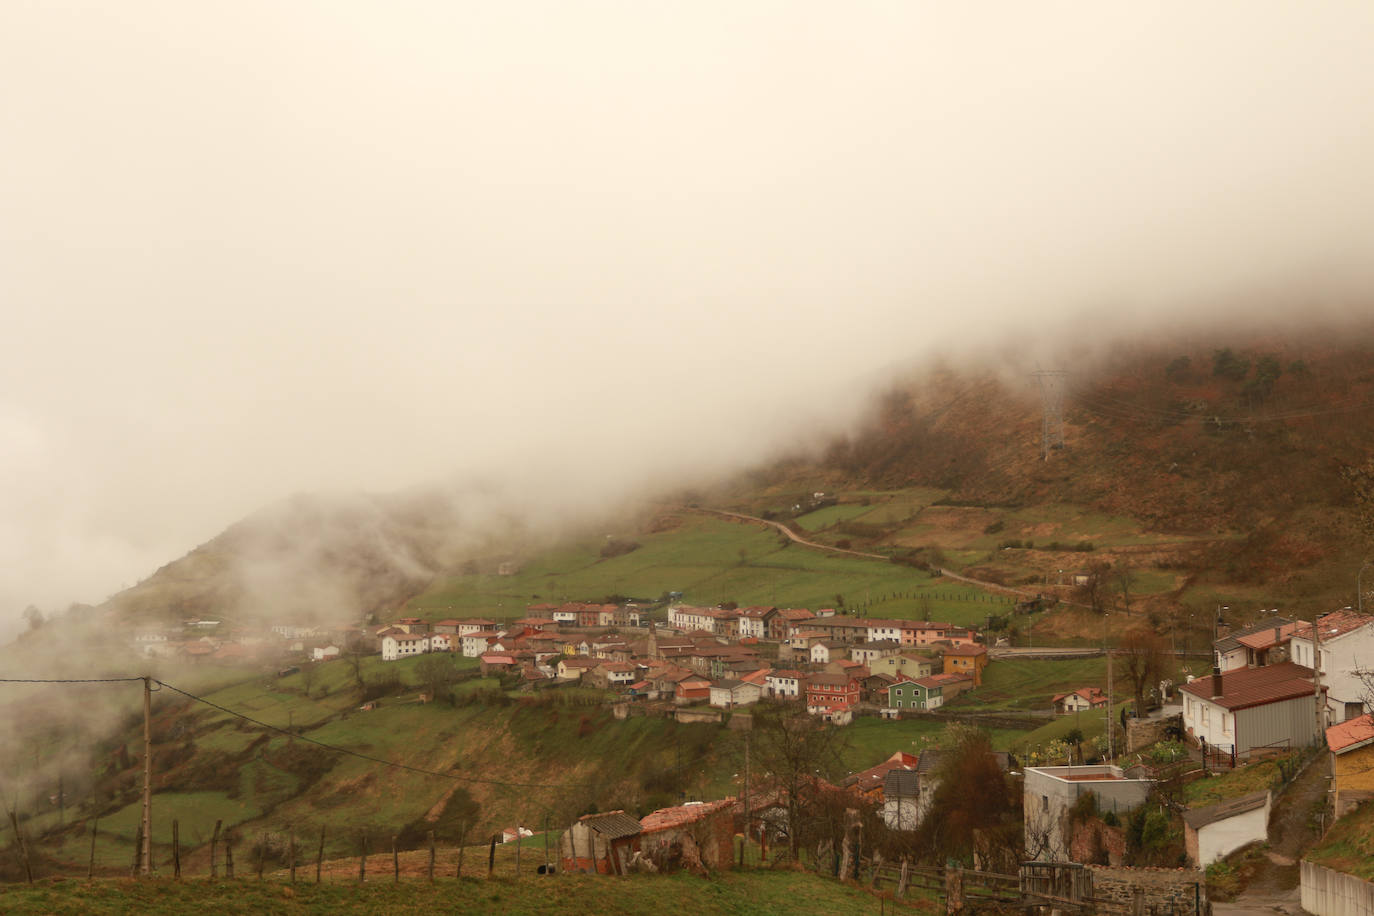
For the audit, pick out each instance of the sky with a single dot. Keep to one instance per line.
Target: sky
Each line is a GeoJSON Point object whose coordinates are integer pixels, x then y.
{"type": "Point", "coordinates": [252, 249]}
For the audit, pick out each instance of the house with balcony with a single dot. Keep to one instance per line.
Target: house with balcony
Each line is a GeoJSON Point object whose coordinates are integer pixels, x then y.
{"type": "Point", "coordinates": [1346, 641]}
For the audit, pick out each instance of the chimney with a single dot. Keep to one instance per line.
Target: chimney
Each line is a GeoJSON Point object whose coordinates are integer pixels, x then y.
{"type": "Point", "coordinates": [1216, 681]}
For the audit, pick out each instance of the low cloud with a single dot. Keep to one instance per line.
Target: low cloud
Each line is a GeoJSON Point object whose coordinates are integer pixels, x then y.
{"type": "Point", "coordinates": [258, 250]}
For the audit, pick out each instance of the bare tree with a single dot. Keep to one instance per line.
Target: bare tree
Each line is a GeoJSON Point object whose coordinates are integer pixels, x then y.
{"type": "Point", "coordinates": [1123, 577]}
{"type": "Point", "coordinates": [794, 751]}
{"type": "Point", "coordinates": [1094, 588]}
{"type": "Point", "coordinates": [436, 671]}
{"type": "Point", "coordinates": [1143, 656]}
{"type": "Point", "coordinates": [354, 652]}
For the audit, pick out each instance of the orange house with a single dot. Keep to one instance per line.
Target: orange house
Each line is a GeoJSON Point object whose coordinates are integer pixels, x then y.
{"type": "Point", "coordinates": [968, 660]}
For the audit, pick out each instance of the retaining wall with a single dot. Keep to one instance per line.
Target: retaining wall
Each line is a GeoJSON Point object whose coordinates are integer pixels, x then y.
{"type": "Point", "coordinates": [1333, 893]}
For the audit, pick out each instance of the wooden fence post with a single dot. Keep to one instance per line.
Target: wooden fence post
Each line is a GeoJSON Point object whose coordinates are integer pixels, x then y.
{"type": "Point", "coordinates": [517, 847]}
{"type": "Point", "coordinates": [176, 848]}
{"type": "Point", "coordinates": [90, 868]}
{"type": "Point", "coordinates": [905, 879]}
{"type": "Point", "coordinates": [954, 890]}
{"type": "Point", "coordinates": [462, 835]}
{"type": "Point", "coordinates": [395, 863]}
{"type": "Point", "coordinates": [319, 857]}
{"type": "Point", "coordinates": [214, 841]}
{"type": "Point", "coordinates": [362, 861]}
{"type": "Point", "coordinates": [431, 857]}
{"type": "Point", "coordinates": [491, 857]}
{"type": "Point", "coordinates": [228, 855]}
{"type": "Point", "coordinates": [262, 853]}
{"type": "Point", "coordinates": [291, 851]}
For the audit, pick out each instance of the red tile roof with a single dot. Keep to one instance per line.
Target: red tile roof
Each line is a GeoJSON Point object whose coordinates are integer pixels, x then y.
{"type": "Point", "coordinates": [1246, 687]}
{"type": "Point", "coordinates": [1351, 734]}
{"type": "Point", "coordinates": [1268, 637]}
{"type": "Point", "coordinates": [1335, 625]}
{"type": "Point", "coordinates": [668, 818]}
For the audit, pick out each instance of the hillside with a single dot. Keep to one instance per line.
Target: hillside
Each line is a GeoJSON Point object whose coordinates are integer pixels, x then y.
{"type": "Point", "coordinates": [329, 558]}
{"type": "Point", "coordinates": [1214, 471]}
{"type": "Point", "coordinates": [1218, 466]}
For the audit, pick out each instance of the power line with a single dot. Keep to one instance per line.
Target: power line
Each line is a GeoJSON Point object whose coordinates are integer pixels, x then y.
{"type": "Point", "coordinates": [361, 756]}
{"type": "Point", "coordinates": [329, 747]}
{"type": "Point", "coordinates": [67, 680]}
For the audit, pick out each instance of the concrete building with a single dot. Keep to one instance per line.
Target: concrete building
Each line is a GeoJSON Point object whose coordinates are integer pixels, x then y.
{"type": "Point", "coordinates": [1050, 792]}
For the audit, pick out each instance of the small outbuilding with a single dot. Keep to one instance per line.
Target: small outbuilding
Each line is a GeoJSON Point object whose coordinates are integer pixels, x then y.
{"type": "Point", "coordinates": [1216, 831]}
{"type": "Point", "coordinates": [600, 844]}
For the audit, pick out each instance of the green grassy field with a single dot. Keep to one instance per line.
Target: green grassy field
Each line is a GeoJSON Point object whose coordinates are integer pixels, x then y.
{"type": "Point", "coordinates": [743, 893]}
{"type": "Point", "coordinates": [1234, 783]}
{"type": "Point", "coordinates": [711, 561]}
{"type": "Point", "coordinates": [1032, 683]}
{"type": "Point", "coordinates": [1349, 845]}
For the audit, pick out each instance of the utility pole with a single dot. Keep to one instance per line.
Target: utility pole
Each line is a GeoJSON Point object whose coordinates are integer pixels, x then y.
{"type": "Point", "coordinates": [1317, 679]}
{"type": "Point", "coordinates": [747, 810]}
{"type": "Point", "coordinates": [146, 854]}
{"type": "Point", "coordinates": [1052, 384]}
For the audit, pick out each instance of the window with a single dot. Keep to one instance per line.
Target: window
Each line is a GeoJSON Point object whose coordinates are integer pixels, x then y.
{"type": "Point", "coordinates": [1204, 715]}
{"type": "Point", "coordinates": [1225, 724]}
{"type": "Point", "coordinates": [1044, 803]}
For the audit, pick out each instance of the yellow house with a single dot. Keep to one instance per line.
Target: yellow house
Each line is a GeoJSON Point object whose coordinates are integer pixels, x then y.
{"type": "Point", "coordinates": [968, 660]}
{"type": "Point", "coordinates": [1352, 762]}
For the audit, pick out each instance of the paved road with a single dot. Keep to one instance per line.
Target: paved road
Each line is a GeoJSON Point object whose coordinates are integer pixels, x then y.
{"type": "Point", "coordinates": [1042, 652]}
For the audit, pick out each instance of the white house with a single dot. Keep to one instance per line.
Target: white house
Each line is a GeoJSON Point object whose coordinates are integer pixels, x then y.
{"type": "Point", "coordinates": [477, 642]}
{"type": "Point", "coordinates": [1259, 644]}
{"type": "Point", "coordinates": [885, 629]}
{"type": "Point", "coordinates": [901, 799]}
{"type": "Point", "coordinates": [784, 684]}
{"type": "Point", "coordinates": [1347, 649]}
{"type": "Point", "coordinates": [1215, 831]}
{"type": "Point", "coordinates": [753, 621]}
{"type": "Point", "coordinates": [1252, 707]}
{"type": "Point", "coordinates": [441, 642]}
{"type": "Point", "coordinates": [824, 651]}
{"type": "Point", "coordinates": [870, 652]}
{"type": "Point", "coordinates": [288, 631]}
{"type": "Point", "coordinates": [403, 645]}
{"type": "Point", "coordinates": [324, 653]}
{"type": "Point", "coordinates": [687, 618]}
{"type": "Point", "coordinates": [730, 693]}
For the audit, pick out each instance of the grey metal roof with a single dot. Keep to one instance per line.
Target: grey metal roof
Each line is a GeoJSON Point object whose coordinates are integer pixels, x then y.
{"type": "Point", "coordinates": [613, 824]}
{"type": "Point", "coordinates": [901, 784]}
{"type": "Point", "coordinates": [1197, 818]}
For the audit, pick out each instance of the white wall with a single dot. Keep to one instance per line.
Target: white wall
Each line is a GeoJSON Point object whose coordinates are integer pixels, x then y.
{"type": "Point", "coordinates": [1218, 839]}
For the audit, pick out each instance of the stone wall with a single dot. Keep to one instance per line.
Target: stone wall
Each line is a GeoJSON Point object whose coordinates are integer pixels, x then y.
{"type": "Point", "coordinates": [1178, 891]}
{"type": "Point", "coordinates": [1142, 732]}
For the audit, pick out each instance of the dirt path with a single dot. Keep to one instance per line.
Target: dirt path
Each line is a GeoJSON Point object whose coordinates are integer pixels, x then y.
{"type": "Point", "coordinates": [798, 539]}
{"type": "Point", "coordinates": [1274, 886]}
